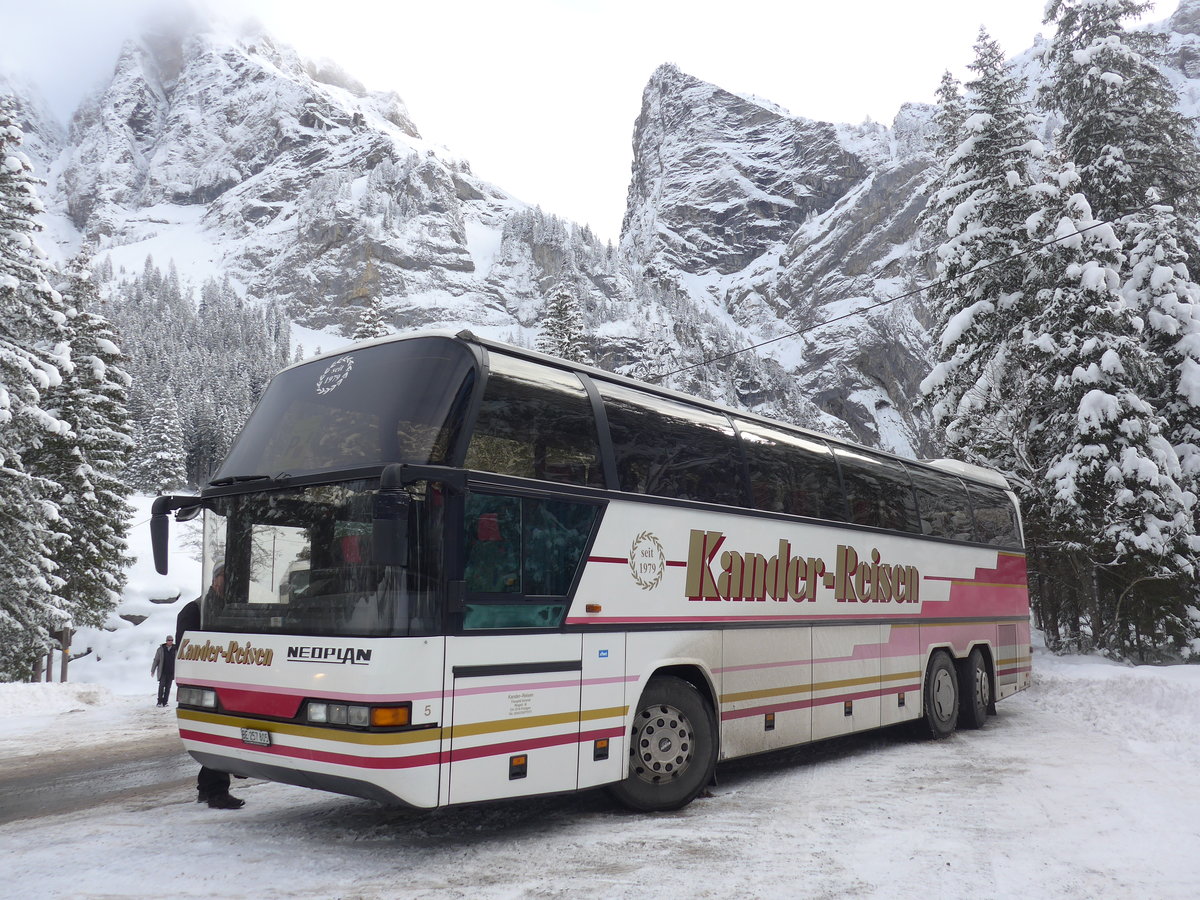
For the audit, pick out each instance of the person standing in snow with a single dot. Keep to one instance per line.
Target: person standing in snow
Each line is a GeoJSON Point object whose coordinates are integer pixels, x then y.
{"type": "Point", "coordinates": [212, 787]}
{"type": "Point", "coordinates": [164, 668]}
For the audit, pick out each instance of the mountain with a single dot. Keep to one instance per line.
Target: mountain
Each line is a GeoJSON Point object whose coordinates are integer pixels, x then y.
{"type": "Point", "coordinates": [230, 156]}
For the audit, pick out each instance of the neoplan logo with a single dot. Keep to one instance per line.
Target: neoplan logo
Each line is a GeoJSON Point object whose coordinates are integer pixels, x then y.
{"type": "Point", "coordinates": [340, 656]}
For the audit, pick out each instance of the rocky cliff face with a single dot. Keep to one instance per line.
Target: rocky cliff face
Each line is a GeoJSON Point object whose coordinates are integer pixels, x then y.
{"type": "Point", "coordinates": [776, 223]}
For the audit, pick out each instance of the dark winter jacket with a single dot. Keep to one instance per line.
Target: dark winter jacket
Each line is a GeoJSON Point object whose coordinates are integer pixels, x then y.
{"type": "Point", "coordinates": [164, 662]}
{"type": "Point", "coordinates": [187, 620]}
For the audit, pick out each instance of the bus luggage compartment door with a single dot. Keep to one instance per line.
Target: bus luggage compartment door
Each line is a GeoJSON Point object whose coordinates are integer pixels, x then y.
{"type": "Point", "coordinates": [514, 714]}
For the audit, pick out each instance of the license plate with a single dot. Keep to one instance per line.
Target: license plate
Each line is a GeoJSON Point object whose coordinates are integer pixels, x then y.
{"type": "Point", "coordinates": [256, 736]}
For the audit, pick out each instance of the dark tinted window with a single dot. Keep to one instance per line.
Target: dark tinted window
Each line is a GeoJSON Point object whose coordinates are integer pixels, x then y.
{"type": "Point", "coordinates": [943, 504]}
{"type": "Point", "coordinates": [520, 553]}
{"type": "Point", "coordinates": [672, 450]}
{"type": "Point", "coordinates": [995, 516]}
{"type": "Point", "coordinates": [878, 491]}
{"type": "Point", "coordinates": [790, 473]}
{"type": "Point", "coordinates": [536, 422]}
{"type": "Point", "coordinates": [396, 402]}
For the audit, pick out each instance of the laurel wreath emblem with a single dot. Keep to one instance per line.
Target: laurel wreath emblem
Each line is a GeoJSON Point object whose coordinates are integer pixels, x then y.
{"type": "Point", "coordinates": [637, 559]}
{"type": "Point", "coordinates": [337, 372]}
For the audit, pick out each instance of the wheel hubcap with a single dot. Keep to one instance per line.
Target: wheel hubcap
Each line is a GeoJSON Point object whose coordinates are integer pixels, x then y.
{"type": "Point", "coordinates": [943, 694]}
{"type": "Point", "coordinates": [661, 744]}
{"type": "Point", "coordinates": [982, 687]}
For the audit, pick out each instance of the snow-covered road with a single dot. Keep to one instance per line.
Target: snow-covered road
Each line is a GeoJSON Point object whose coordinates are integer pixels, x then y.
{"type": "Point", "coordinates": [1084, 787]}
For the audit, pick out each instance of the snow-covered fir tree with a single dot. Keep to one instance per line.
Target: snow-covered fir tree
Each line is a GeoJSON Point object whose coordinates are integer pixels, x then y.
{"type": "Point", "coordinates": [32, 351]}
{"type": "Point", "coordinates": [562, 326]}
{"type": "Point", "coordinates": [988, 192]}
{"type": "Point", "coordinates": [210, 358]}
{"type": "Point", "coordinates": [1136, 155]}
{"type": "Point", "coordinates": [949, 117]}
{"type": "Point", "coordinates": [1121, 125]}
{"type": "Point", "coordinates": [371, 323]}
{"type": "Point", "coordinates": [159, 465]}
{"type": "Point", "coordinates": [85, 464]}
{"type": "Point", "coordinates": [1103, 483]}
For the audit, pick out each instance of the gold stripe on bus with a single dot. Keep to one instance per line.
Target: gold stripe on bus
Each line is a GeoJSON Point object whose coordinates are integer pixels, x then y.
{"type": "Point", "coordinates": [814, 688]}
{"type": "Point", "coordinates": [323, 734]}
{"type": "Point", "coordinates": [404, 737]}
{"type": "Point", "coordinates": [520, 724]}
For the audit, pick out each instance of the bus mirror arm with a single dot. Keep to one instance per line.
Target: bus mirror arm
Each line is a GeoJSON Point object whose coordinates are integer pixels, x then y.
{"type": "Point", "coordinates": [160, 524]}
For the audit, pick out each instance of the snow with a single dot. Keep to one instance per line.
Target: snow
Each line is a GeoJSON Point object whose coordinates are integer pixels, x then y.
{"type": "Point", "coordinates": [1082, 787]}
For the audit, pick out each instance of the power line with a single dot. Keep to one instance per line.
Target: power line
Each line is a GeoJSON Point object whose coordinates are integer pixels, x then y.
{"type": "Point", "coordinates": [858, 312]}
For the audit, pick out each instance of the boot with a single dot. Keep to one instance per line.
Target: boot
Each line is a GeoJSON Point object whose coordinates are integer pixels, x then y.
{"type": "Point", "coordinates": [225, 801]}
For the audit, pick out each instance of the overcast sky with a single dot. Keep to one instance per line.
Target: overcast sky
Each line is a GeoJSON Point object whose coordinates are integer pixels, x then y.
{"type": "Point", "coordinates": [541, 95]}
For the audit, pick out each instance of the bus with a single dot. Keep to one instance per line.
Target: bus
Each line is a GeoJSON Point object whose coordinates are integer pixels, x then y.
{"type": "Point", "coordinates": [438, 569]}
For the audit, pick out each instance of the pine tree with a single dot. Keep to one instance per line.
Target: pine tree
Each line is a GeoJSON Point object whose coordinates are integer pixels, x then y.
{"type": "Point", "coordinates": [1121, 126]}
{"type": "Point", "coordinates": [949, 118]}
{"type": "Point", "coordinates": [561, 334]}
{"type": "Point", "coordinates": [95, 510]}
{"type": "Point", "coordinates": [987, 195]}
{"type": "Point", "coordinates": [31, 351]}
{"type": "Point", "coordinates": [1137, 156]}
{"type": "Point", "coordinates": [371, 323]}
{"type": "Point", "coordinates": [1102, 489]}
{"type": "Point", "coordinates": [159, 462]}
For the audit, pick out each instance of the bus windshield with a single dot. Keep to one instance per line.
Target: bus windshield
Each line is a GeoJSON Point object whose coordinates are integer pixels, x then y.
{"type": "Point", "coordinates": [398, 402]}
{"type": "Point", "coordinates": [299, 561]}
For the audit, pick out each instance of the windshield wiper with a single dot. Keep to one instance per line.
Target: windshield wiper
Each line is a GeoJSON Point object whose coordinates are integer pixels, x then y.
{"type": "Point", "coordinates": [239, 479]}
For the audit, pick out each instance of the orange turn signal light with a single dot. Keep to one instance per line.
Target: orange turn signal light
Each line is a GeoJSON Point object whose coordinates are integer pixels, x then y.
{"type": "Point", "coordinates": [593, 607]}
{"type": "Point", "coordinates": [390, 716]}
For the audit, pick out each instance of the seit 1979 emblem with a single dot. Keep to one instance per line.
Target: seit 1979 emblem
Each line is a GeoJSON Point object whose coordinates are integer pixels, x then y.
{"type": "Point", "coordinates": [337, 372]}
{"type": "Point", "coordinates": [647, 561]}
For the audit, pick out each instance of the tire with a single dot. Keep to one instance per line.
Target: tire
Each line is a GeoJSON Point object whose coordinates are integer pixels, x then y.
{"type": "Point", "coordinates": [941, 695]}
{"type": "Point", "coordinates": [672, 747]}
{"type": "Point", "coordinates": [974, 690]}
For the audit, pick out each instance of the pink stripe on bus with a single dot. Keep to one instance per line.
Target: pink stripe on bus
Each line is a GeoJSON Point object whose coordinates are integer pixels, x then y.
{"type": "Point", "coordinates": [405, 762]}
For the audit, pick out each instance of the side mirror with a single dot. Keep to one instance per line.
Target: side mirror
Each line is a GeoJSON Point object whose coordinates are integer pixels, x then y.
{"type": "Point", "coordinates": [160, 524]}
{"type": "Point", "coordinates": [160, 528]}
{"type": "Point", "coordinates": [389, 528]}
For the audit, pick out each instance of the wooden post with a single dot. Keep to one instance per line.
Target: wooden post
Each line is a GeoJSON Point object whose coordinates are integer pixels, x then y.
{"type": "Point", "coordinates": [49, 664]}
{"type": "Point", "coordinates": [65, 640]}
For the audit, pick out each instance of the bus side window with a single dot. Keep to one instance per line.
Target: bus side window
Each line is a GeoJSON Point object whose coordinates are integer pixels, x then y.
{"type": "Point", "coordinates": [790, 473]}
{"type": "Point", "coordinates": [669, 449]}
{"type": "Point", "coordinates": [995, 518]}
{"type": "Point", "coordinates": [943, 504]}
{"type": "Point", "coordinates": [535, 422]}
{"type": "Point", "coordinates": [493, 544]}
{"type": "Point", "coordinates": [878, 490]}
{"type": "Point", "coordinates": [522, 558]}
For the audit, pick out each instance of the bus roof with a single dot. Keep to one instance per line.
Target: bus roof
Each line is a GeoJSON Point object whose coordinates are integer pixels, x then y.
{"type": "Point", "coordinates": [963, 470]}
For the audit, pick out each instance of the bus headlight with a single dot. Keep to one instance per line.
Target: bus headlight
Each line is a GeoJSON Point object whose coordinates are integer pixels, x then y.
{"type": "Point", "coordinates": [190, 696]}
{"type": "Point", "coordinates": [321, 713]}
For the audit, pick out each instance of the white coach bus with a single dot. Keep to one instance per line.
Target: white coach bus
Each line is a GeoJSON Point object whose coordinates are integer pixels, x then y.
{"type": "Point", "coordinates": [441, 570]}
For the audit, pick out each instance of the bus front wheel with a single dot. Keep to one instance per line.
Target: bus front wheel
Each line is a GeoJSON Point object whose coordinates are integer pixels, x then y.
{"type": "Point", "coordinates": [941, 695]}
{"type": "Point", "coordinates": [672, 747]}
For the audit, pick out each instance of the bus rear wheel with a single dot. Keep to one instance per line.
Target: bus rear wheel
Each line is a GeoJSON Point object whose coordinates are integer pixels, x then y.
{"type": "Point", "coordinates": [941, 695]}
{"type": "Point", "coordinates": [672, 747]}
{"type": "Point", "coordinates": [975, 690]}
